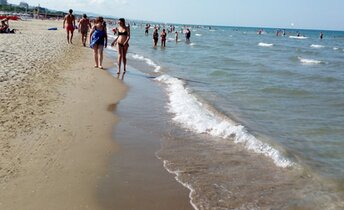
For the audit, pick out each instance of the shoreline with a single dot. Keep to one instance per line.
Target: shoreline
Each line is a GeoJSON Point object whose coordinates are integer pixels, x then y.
{"type": "Point", "coordinates": [136, 171]}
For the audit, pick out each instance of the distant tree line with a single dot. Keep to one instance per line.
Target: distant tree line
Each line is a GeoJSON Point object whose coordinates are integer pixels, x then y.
{"type": "Point", "coordinates": [30, 10]}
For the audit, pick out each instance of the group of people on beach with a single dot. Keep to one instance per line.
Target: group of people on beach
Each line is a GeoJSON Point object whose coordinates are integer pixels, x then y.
{"type": "Point", "coordinates": [98, 37]}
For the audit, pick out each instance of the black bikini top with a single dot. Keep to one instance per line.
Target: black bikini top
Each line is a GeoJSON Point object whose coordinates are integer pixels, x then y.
{"type": "Point", "coordinates": [125, 33]}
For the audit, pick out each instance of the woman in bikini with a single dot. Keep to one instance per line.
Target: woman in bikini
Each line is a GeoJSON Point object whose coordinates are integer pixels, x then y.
{"type": "Point", "coordinates": [122, 44]}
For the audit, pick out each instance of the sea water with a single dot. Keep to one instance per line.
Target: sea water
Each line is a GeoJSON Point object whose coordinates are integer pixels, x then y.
{"type": "Point", "coordinates": [257, 121]}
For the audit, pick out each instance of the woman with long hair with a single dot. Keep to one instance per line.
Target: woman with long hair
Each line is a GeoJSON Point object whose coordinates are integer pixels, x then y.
{"type": "Point", "coordinates": [122, 40]}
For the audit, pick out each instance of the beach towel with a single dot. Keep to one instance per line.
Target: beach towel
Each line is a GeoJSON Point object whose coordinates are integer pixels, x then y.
{"type": "Point", "coordinates": [97, 38]}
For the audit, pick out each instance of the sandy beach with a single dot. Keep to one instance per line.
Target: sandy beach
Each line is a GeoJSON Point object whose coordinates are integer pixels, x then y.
{"type": "Point", "coordinates": [55, 120]}
{"type": "Point", "coordinates": [58, 115]}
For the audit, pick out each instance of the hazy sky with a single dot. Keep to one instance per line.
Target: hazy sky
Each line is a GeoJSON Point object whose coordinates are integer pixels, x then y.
{"type": "Point", "coordinates": [316, 14]}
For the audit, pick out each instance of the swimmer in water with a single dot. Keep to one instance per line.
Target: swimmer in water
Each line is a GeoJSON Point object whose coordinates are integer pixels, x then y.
{"type": "Point", "coordinates": [321, 35]}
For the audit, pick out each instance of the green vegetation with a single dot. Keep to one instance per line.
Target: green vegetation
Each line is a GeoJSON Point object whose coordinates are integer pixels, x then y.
{"type": "Point", "coordinates": [42, 11]}
{"type": "Point", "coordinates": [10, 8]}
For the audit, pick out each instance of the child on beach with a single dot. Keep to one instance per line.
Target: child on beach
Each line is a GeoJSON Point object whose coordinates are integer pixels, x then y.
{"type": "Point", "coordinates": [122, 45]}
{"type": "Point", "coordinates": [84, 26]}
{"type": "Point", "coordinates": [69, 25]}
{"type": "Point", "coordinates": [98, 39]}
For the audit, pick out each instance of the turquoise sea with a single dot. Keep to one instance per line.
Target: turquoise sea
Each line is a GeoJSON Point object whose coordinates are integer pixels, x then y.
{"type": "Point", "coordinates": [256, 121]}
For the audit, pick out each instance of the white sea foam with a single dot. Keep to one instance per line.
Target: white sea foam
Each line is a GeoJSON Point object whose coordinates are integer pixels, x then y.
{"type": "Point", "coordinates": [112, 48]}
{"type": "Point", "coordinates": [298, 37]}
{"type": "Point", "coordinates": [192, 44]}
{"type": "Point", "coordinates": [198, 34]}
{"type": "Point", "coordinates": [335, 48]}
{"type": "Point", "coordinates": [317, 46]}
{"type": "Point", "coordinates": [193, 115]}
{"type": "Point", "coordinates": [262, 44]}
{"type": "Point", "coordinates": [148, 61]}
{"type": "Point", "coordinates": [177, 175]}
{"type": "Point", "coordinates": [112, 36]}
{"type": "Point", "coordinates": [309, 61]}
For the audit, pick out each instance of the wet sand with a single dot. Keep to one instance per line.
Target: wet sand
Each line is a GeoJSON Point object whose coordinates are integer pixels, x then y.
{"type": "Point", "coordinates": [136, 178]}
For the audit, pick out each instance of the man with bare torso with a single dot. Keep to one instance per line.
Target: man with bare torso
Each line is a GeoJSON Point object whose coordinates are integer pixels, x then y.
{"type": "Point", "coordinates": [84, 26]}
{"type": "Point", "coordinates": [69, 25]}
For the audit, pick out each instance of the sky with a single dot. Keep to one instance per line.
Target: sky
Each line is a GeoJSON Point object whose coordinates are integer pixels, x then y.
{"type": "Point", "coordinates": [308, 14]}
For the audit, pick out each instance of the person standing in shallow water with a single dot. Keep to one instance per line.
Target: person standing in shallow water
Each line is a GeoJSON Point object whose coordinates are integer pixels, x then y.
{"type": "Point", "coordinates": [98, 39]}
{"type": "Point", "coordinates": [122, 45]}
{"type": "Point", "coordinates": [321, 35]}
{"type": "Point", "coordinates": [69, 25]}
{"type": "Point", "coordinates": [84, 26]}
{"type": "Point", "coordinates": [155, 37]}
{"type": "Point", "coordinates": [188, 35]}
{"type": "Point", "coordinates": [163, 38]}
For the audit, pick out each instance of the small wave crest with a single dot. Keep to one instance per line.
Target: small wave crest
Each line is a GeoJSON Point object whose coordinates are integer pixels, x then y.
{"type": "Point", "coordinates": [148, 61]}
{"type": "Point", "coordinates": [193, 115]}
{"type": "Point", "coordinates": [309, 61]}
{"type": "Point", "coordinates": [262, 44]}
{"type": "Point", "coordinates": [298, 37]}
{"type": "Point", "coordinates": [317, 46]}
{"type": "Point", "coordinates": [198, 34]}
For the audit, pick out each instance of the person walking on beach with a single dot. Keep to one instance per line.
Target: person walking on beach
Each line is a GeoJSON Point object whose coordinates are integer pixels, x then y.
{"type": "Point", "coordinates": [98, 39]}
{"type": "Point", "coordinates": [84, 26]}
{"type": "Point", "coordinates": [163, 38]}
{"type": "Point", "coordinates": [69, 25]}
{"type": "Point", "coordinates": [155, 37]}
{"type": "Point", "coordinates": [122, 45]}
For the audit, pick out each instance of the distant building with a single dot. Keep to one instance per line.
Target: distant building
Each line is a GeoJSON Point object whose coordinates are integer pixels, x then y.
{"type": "Point", "coordinates": [3, 2]}
{"type": "Point", "coordinates": [24, 5]}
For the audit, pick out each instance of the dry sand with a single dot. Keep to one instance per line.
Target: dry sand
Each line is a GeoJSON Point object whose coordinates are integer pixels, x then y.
{"type": "Point", "coordinates": [55, 124]}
